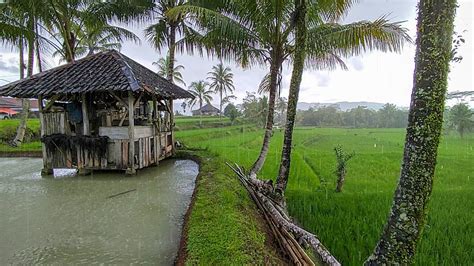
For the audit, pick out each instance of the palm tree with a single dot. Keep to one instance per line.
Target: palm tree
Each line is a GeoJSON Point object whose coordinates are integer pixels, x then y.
{"type": "Point", "coordinates": [201, 94]}
{"type": "Point", "coordinates": [461, 118]}
{"type": "Point", "coordinates": [18, 28]}
{"type": "Point", "coordinates": [240, 30]}
{"type": "Point", "coordinates": [97, 38]}
{"type": "Point", "coordinates": [298, 67]}
{"type": "Point", "coordinates": [56, 17]}
{"type": "Point", "coordinates": [407, 217]}
{"type": "Point", "coordinates": [221, 82]}
{"type": "Point", "coordinates": [166, 31]}
{"type": "Point", "coordinates": [65, 21]}
{"type": "Point", "coordinates": [163, 68]}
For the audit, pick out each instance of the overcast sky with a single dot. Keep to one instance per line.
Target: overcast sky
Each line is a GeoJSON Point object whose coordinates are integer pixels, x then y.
{"type": "Point", "coordinates": [374, 76]}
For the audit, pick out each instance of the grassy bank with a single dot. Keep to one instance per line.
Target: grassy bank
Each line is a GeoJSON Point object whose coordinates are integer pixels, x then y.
{"type": "Point", "coordinates": [224, 225]}
{"type": "Point", "coordinates": [349, 223]}
{"type": "Point", "coordinates": [8, 131]}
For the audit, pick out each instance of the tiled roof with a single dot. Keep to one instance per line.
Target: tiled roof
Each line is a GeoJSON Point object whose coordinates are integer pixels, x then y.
{"type": "Point", "coordinates": [105, 71]}
{"type": "Point", "coordinates": [207, 108]}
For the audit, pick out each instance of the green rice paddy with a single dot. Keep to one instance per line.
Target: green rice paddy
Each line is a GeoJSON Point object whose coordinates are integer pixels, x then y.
{"type": "Point", "coordinates": [350, 223]}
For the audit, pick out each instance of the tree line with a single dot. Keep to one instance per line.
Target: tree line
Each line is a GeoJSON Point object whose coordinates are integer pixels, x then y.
{"type": "Point", "coordinates": [389, 116]}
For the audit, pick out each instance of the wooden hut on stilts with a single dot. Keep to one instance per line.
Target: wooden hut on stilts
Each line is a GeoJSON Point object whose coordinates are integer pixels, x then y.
{"type": "Point", "coordinates": [102, 112]}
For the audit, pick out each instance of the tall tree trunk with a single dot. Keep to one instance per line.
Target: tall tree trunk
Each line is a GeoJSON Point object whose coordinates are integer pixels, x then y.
{"type": "Point", "coordinates": [200, 113]}
{"type": "Point", "coordinates": [407, 218]}
{"type": "Point", "coordinates": [220, 104]}
{"type": "Point", "coordinates": [37, 47]}
{"type": "Point", "coordinates": [274, 71]}
{"type": "Point", "coordinates": [70, 42]}
{"type": "Point", "coordinates": [171, 52]}
{"type": "Point", "coordinates": [25, 103]}
{"type": "Point", "coordinates": [298, 66]}
{"type": "Point", "coordinates": [21, 48]}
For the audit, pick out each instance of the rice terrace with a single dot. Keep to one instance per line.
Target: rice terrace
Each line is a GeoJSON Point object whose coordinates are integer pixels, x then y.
{"type": "Point", "coordinates": [236, 132]}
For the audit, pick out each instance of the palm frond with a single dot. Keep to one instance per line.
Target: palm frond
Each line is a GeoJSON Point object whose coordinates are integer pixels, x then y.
{"type": "Point", "coordinates": [356, 38]}
{"type": "Point", "coordinates": [157, 34]}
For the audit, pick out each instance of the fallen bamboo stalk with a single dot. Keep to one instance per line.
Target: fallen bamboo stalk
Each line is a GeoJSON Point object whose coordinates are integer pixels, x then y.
{"type": "Point", "coordinates": [287, 232]}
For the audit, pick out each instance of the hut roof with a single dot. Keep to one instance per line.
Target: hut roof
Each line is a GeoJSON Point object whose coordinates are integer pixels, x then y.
{"type": "Point", "coordinates": [207, 108]}
{"type": "Point", "coordinates": [104, 71]}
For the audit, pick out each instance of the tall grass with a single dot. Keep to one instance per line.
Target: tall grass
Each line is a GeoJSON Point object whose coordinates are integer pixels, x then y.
{"type": "Point", "coordinates": [349, 223]}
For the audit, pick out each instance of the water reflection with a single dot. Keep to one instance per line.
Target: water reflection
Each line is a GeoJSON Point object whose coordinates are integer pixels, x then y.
{"type": "Point", "coordinates": [71, 219]}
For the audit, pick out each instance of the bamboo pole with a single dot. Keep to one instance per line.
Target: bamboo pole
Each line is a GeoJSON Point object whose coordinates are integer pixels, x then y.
{"type": "Point", "coordinates": [286, 230]}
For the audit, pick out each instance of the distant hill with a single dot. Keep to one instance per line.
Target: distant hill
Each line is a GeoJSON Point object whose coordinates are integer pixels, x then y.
{"type": "Point", "coordinates": [343, 106]}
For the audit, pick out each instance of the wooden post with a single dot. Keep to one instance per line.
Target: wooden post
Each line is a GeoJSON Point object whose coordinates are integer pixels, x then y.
{"type": "Point", "coordinates": [172, 125]}
{"type": "Point", "coordinates": [85, 116]}
{"type": "Point", "coordinates": [160, 145]}
{"type": "Point", "coordinates": [85, 132]}
{"type": "Point", "coordinates": [47, 170]}
{"type": "Point", "coordinates": [154, 114]}
{"type": "Point", "coordinates": [131, 135]}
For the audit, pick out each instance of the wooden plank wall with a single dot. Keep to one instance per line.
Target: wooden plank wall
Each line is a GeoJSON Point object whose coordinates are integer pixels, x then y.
{"type": "Point", "coordinates": [149, 152]}
{"type": "Point", "coordinates": [145, 156]}
{"type": "Point", "coordinates": [57, 123]}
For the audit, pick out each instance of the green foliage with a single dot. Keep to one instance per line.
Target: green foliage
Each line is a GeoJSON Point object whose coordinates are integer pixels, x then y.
{"type": "Point", "coordinates": [163, 69]}
{"type": "Point", "coordinates": [342, 158]}
{"type": "Point", "coordinates": [461, 118]}
{"type": "Point", "coordinates": [159, 33]}
{"type": "Point", "coordinates": [221, 82]}
{"type": "Point", "coordinates": [341, 166]}
{"type": "Point", "coordinates": [231, 112]}
{"type": "Point", "coordinates": [361, 117]}
{"type": "Point", "coordinates": [201, 93]}
{"type": "Point", "coordinates": [254, 109]}
{"type": "Point", "coordinates": [357, 215]}
{"type": "Point", "coordinates": [8, 130]}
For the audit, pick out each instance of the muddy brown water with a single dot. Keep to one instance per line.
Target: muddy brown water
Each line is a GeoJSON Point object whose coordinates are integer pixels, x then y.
{"type": "Point", "coordinates": [72, 220]}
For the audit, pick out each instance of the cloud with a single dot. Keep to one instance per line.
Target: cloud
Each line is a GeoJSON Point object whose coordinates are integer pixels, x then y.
{"type": "Point", "coordinates": [356, 63]}
{"type": "Point", "coordinates": [7, 65]}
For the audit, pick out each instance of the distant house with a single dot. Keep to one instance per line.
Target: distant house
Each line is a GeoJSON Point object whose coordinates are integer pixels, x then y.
{"type": "Point", "coordinates": [12, 106]}
{"type": "Point", "coordinates": [207, 109]}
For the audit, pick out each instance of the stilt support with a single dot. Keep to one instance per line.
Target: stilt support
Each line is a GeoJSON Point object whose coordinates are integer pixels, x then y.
{"type": "Point", "coordinates": [84, 172]}
{"type": "Point", "coordinates": [130, 171]}
{"type": "Point", "coordinates": [45, 172]}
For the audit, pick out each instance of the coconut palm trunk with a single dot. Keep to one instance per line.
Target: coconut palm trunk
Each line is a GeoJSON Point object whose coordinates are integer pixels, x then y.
{"type": "Point", "coordinates": [200, 113]}
{"type": "Point", "coordinates": [37, 47]}
{"type": "Point", "coordinates": [274, 72]}
{"type": "Point", "coordinates": [297, 73]}
{"type": "Point", "coordinates": [172, 48]}
{"type": "Point", "coordinates": [25, 103]}
{"type": "Point", "coordinates": [220, 104]}
{"type": "Point", "coordinates": [405, 224]}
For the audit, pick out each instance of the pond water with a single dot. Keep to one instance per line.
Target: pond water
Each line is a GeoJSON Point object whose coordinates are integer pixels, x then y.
{"type": "Point", "coordinates": [73, 220]}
